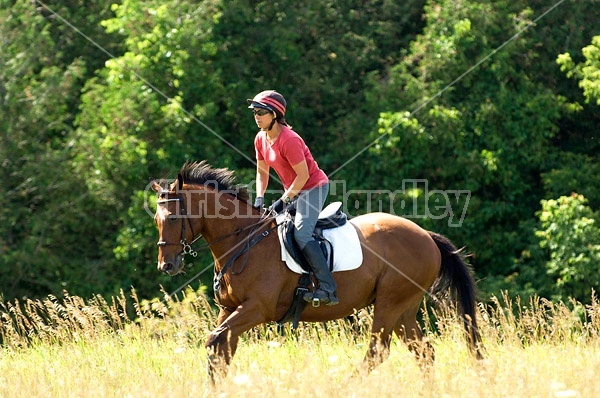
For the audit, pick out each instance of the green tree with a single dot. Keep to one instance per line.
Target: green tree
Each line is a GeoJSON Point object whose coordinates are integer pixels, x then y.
{"type": "Point", "coordinates": [317, 54]}
{"type": "Point", "coordinates": [566, 240]}
{"type": "Point", "coordinates": [488, 133]}
{"type": "Point", "coordinates": [576, 169]}
{"type": "Point", "coordinates": [369, 88]}
{"type": "Point", "coordinates": [179, 92]}
{"type": "Point", "coordinates": [570, 236]}
{"type": "Point", "coordinates": [588, 72]}
{"type": "Point", "coordinates": [45, 232]}
{"type": "Point", "coordinates": [139, 119]}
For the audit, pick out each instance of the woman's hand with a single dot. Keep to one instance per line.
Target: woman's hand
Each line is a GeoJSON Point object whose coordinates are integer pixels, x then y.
{"type": "Point", "coordinates": [278, 206]}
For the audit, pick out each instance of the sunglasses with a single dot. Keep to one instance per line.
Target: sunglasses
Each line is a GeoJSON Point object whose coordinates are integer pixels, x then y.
{"type": "Point", "coordinates": [261, 111]}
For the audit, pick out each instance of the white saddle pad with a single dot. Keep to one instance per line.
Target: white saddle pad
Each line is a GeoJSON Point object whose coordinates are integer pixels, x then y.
{"type": "Point", "coordinates": [347, 251]}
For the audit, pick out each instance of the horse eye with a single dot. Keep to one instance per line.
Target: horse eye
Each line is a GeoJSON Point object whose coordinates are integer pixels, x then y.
{"type": "Point", "coordinates": [172, 219]}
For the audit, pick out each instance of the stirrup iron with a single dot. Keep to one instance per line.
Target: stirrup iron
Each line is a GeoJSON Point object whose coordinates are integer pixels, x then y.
{"type": "Point", "coordinates": [316, 302]}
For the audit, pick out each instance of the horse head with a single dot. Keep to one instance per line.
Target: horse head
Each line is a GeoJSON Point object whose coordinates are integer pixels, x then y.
{"type": "Point", "coordinates": [174, 226]}
{"type": "Point", "coordinates": [204, 203]}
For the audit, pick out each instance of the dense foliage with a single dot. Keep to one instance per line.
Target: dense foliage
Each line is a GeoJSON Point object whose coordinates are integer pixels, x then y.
{"type": "Point", "coordinates": [487, 106]}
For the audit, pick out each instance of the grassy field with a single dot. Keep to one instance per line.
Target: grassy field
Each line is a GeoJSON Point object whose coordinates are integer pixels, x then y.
{"type": "Point", "coordinates": [71, 347]}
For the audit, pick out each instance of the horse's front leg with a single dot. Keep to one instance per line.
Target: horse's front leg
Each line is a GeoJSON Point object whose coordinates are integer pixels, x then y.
{"type": "Point", "coordinates": [212, 357]}
{"type": "Point", "coordinates": [222, 341]}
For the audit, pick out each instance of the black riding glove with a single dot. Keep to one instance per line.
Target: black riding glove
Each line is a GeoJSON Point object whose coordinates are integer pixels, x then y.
{"type": "Point", "coordinates": [259, 202]}
{"type": "Point", "coordinates": [278, 206]}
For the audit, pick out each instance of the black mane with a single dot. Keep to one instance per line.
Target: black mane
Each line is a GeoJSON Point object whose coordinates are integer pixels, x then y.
{"type": "Point", "coordinates": [221, 179]}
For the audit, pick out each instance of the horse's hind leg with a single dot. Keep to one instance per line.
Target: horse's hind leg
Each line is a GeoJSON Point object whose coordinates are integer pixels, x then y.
{"type": "Point", "coordinates": [379, 349]}
{"type": "Point", "coordinates": [384, 320]}
{"type": "Point", "coordinates": [408, 329]}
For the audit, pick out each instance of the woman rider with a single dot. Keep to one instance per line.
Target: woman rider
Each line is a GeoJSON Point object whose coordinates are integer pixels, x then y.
{"type": "Point", "coordinates": [279, 147]}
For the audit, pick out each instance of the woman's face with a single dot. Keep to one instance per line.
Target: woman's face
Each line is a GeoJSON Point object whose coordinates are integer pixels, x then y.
{"type": "Point", "coordinates": [263, 118]}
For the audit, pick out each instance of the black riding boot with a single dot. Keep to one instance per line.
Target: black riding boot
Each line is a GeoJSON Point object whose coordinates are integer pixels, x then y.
{"type": "Point", "coordinates": [325, 293]}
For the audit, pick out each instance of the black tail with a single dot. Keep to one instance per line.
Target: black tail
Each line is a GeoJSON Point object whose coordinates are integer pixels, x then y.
{"type": "Point", "coordinates": [456, 279]}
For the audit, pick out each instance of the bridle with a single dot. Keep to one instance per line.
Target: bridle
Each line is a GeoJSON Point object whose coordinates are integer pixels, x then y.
{"type": "Point", "coordinates": [250, 241]}
{"type": "Point", "coordinates": [187, 247]}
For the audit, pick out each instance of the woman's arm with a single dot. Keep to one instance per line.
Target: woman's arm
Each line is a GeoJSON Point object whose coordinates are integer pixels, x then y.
{"type": "Point", "coordinates": [262, 177]}
{"type": "Point", "coordinates": [302, 176]}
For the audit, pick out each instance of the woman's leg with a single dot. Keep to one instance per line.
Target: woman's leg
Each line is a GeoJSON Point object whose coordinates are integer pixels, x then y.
{"type": "Point", "coordinates": [310, 203]}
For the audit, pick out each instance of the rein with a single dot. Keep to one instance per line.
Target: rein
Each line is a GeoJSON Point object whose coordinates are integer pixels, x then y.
{"type": "Point", "coordinates": [249, 243]}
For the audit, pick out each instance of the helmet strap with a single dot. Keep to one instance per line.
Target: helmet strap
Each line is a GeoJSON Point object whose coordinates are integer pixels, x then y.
{"type": "Point", "coordinates": [272, 124]}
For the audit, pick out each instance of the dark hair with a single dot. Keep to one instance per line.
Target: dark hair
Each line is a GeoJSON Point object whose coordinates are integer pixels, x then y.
{"type": "Point", "coordinates": [281, 120]}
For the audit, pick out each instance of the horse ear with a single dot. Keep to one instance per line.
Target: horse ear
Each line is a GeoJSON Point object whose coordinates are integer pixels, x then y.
{"type": "Point", "coordinates": [179, 182]}
{"type": "Point", "coordinates": [155, 185]}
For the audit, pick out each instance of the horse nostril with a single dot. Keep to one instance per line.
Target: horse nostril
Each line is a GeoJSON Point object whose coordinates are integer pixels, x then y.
{"type": "Point", "coordinates": [165, 267]}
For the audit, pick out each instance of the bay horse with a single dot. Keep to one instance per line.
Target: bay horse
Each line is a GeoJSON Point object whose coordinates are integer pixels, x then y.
{"type": "Point", "coordinates": [401, 263]}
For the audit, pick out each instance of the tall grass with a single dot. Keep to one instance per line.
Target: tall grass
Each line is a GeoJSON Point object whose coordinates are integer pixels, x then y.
{"type": "Point", "coordinates": [69, 346]}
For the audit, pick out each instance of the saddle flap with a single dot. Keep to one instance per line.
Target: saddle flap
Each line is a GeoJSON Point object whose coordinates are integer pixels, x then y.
{"type": "Point", "coordinates": [287, 229]}
{"type": "Point", "coordinates": [342, 248]}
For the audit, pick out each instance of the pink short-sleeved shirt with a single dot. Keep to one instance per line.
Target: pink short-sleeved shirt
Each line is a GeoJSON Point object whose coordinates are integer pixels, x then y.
{"type": "Point", "coordinates": [288, 150]}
